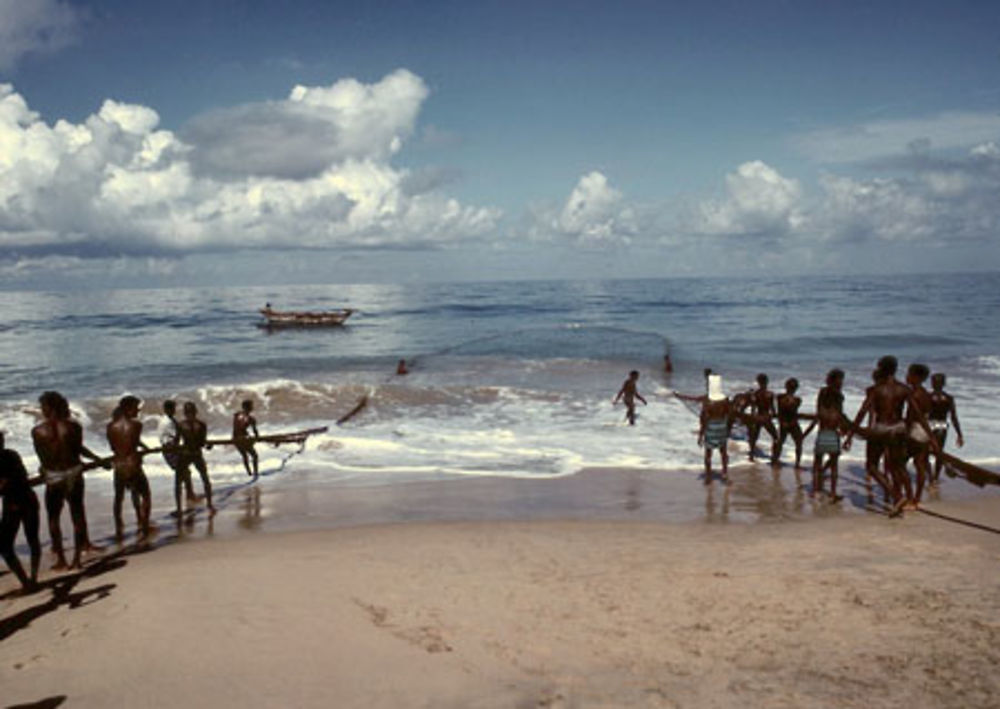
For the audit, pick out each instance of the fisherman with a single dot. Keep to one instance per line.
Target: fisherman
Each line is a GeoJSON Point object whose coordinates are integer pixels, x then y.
{"type": "Point", "coordinates": [788, 421]}
{"type": "Point", "coordinates": [942, 408]}
{"type": "Point", "coordinates": [715, 424]}
{"type": "Point", "coordinates": [58, 442]}
{"type": "Point", "coordinates": [20, 508]}
{"type": "Point", "coordinates": [124, 435]}
{"type": "Point", "coordinates": [668, 366]}
{"type": "Point", "coordinates": [243, 423]}
{"type": "Point", "coordinates": [401, 369]}
{"type": "Point", "coordinates": [700, 398]}
{"type": "Point", "coordinates": [830, 418]}
{"type": "Point", "coordinates": [762, 410]}
{"type": "Point", "coordinates": [170, 437]}
{"type": "Point", "coordinates": [921, 435]}
{"type": "Point", "coordinates": [629, 393]}
{"type": "Point", "coordinates": [887, 435]}
{"type": "Point", "coordinates": [194, 432]}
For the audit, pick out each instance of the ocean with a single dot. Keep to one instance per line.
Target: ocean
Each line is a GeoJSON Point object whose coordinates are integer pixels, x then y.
{"type": "Point", "coordinates": [506, 378]}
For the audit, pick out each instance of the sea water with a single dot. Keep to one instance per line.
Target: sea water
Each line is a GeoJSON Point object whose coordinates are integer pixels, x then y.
{"type": "Point", "coordinates": [506, 378]}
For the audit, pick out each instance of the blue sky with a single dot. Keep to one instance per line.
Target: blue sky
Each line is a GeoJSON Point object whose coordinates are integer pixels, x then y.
{"type": "Point", "coordinates": [164, 142]}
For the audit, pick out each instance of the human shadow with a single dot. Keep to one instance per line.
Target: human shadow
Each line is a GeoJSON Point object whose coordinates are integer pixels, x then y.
{"type": "Point", "coordinates": [63, 594]}
{"type": "Point", "coordinates": [47, 703]}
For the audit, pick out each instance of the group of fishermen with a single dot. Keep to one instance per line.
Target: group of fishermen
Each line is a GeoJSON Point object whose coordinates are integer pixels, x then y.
{"type": "Point", "coordinates": [58, 444]}
{"type": "Point", "coordinates": [899, 421]}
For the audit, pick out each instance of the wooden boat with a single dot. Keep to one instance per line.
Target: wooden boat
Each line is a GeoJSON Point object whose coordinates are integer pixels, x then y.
{"type": "Point", "coordinates": [301, 318]}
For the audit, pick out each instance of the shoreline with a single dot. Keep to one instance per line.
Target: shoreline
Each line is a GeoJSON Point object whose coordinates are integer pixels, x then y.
{"type": "Point", "coordinates": [389, 607]}
{"type": "Point", "coordinates": [855, 611]}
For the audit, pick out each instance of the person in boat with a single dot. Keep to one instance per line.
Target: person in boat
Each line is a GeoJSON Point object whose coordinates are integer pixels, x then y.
{"type": "Point", "coordinates": [20, 509]}
{"type": "Point", "coordinates": [125, 437]}
{"type": "Point", "coordinates": [831, 420]}
{"type": "Point", "coordinates": [762, 411]}
{"type": "Point", "coordinates": [715, 423]}
{"type": "Point", "coordinates": [401, 369]}
{"type": "Point", "coordinates": [942, 408]}
{"type": "Point", "coordinates": [628, 393]}
{"type": "Point", "coordinates": [170, 439]}
{"type": "Point", "coordinates": [193, 434]}
{"type": "Point", "coordinates": [788, 421]}
{"type": "Point", "coordinates": [58, 442]}
{"type": "Point", "coordinates": [921, 436]}
{"type": "Point", "coordinates": [243, 424]}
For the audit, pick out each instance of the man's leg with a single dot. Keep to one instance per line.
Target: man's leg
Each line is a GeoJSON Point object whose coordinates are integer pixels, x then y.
{"type": "Point", "coordinates": [55, 496]}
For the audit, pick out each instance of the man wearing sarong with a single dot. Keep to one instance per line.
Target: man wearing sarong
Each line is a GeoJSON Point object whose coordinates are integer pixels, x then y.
{"type": "Point", "coordinates": [830, 420]}
{"type": "Point", "coordinates": [942, 408]}
{"type": "Point", "coordinates": [20, 508]}
{"type": "Point", "coordinates": [921, 436]}
{"type": "Point", "coordinates": [715, 424]}
{"type": "Point", "coordinates": [124, 434]}
{"type": "Point", "coordinates": [58, 442]}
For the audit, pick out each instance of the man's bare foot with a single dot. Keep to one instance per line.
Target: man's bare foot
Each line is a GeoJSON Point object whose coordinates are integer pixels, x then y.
{"type": "Point", "coordinates": [76, 564]}
{"type": "Point", "coordinates": [834, 499]}
{"type": "Point", "coordinates": [211, 511]}
{"type": "Point", "coordinates": [91, 548]}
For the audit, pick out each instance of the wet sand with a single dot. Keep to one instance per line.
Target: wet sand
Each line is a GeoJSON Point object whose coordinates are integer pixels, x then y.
{"type": "Point", "coordinates": [570, 592]}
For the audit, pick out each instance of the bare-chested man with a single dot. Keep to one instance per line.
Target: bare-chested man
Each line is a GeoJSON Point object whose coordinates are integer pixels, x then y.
{"type": "Point", "coordinates": [194, 433]}
{"type": "Point", "coordinates": [170, 440]}
{"type": "Point", "coordinates": [124, 435]}
{"type": "Point", "coordinates": [921, 436]}
{"type": "Point", "coordinates": [629, 393]}
{"type": "Point", "coordinates": [243, 424]}
{"type": "Point", "coordinates": [888, 433]}
{"type": "Point", "coordinates": [715, 424]}
{"type": "Point", "coordinates": [762, 411]}
{"type": "Point", "coordinates": [20, 508]}
{"type": "Point", "coordinates": [788, 421]}
{"type": "Point", "coordinates": [58, 442]}
{"type": "Point", "coordinates": [942, 408]}
{"type": "Point", "coordinates": [831, 420]}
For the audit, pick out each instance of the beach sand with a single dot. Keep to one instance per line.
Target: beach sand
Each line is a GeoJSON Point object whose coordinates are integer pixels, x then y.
{"type": "Point", "coordinates": [846, 609]}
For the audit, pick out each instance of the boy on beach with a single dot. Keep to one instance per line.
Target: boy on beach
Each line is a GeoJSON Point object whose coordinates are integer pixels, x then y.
{"type": "Point", "coordinates": [830, 419]}
{"type": "Point", "coordinates": [58, 442]}
{"type": "Point", "coordinates": [942, 408]}
{"type": "Point", "coordinates": [194, 433]}
{"type": "Point", "coordinates": [715, 424]}
{"type": "Point", "coordinates": [243, 424]}
{"type": "Point", "coordinates": [629, 393]}
{"type": "Point", "coordinates": [788, 421]}
{"type": "Point", "coordinates": [124, 435]}
{"type": "Point", "coordinates": [20, 508]}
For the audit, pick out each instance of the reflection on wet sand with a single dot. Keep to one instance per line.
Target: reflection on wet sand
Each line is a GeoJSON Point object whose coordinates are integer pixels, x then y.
{"type": "Point", "coordinates": [251, 519]}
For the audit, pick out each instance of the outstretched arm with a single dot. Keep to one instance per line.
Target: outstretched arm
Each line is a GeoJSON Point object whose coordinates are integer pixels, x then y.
{"type": "Point", "coordinates": [862, 412]}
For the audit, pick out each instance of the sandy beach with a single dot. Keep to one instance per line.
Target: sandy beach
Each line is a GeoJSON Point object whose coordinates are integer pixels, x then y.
{"type": "Point", "coordinates": [843, 609]}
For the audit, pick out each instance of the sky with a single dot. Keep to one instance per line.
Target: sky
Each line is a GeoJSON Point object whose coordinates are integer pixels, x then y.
{"type": "Point", "coordinates": [239, 142]}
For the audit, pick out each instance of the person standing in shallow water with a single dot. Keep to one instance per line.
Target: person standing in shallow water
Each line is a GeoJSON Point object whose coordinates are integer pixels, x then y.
{"type": "Point", "coordinates": [831, 420]}
{"type": "Point", "coordinates": [715, 423]}
{"type": "Point", "coordinates": [194, 433]}
{"type": "Point", "coordinates": [58, 442]}
{"type": "Point", "coordinates": [243, 424]}
{"type": "Point", "coordinates": [942, 407]}
{"type": "Point", "coordinates": [629, 393]}
{"type": "Point", "coordinates": [788, 421]}
{"type": "Point", "coordinates": [125, 437]}
{"type": "Point", "coordinates": [170, 438]}
{"type": "Point", "coordinates": [762, 412]}
{"type": "Point", "coordinates": [20, 508]}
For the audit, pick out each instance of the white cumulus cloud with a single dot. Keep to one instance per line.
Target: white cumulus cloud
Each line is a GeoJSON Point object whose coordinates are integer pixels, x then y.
{"type": "Point", "coordinates": [35, 26]}
{"type": "Point", "coordinates": [118, 183]}
{"type": "Point", "coordinates": [758, 201]}
{"type": "Point", "coordinates": [595, 213]}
